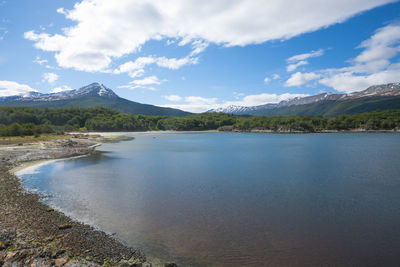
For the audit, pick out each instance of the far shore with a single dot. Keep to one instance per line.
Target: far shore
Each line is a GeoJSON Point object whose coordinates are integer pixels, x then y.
{"type": "Point", "coordinates": [116, 134]}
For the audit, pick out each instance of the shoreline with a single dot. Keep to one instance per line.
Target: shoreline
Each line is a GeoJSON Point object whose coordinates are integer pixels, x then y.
{"type": "Point", "coordinates": [34, 234]}
{"type": "Point", "coordinates": [115, 134]}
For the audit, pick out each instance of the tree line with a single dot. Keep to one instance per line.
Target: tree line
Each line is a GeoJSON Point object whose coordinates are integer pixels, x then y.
{"type": "Point", "coordinates": [20, 121]}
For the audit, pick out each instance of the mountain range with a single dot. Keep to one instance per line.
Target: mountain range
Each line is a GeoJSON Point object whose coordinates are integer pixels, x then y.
{"type": "Point", "coordinates": [92, 95]}
{"type": "Point", "coordinates": [378, 97]}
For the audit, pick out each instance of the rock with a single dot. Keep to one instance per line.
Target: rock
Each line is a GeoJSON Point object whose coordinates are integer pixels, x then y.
{"type": "Point", "coordinates": [65, 226]}
{"type": "Point", "coordinates": [60, 262]}
{"type": "Point", "coordinates": [132, 262]}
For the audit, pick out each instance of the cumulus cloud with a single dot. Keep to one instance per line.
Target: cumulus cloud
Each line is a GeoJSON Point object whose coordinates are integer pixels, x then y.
{"type": "Point", "coordinates": [11, 88]}
{"type": "Point", "coordinates": [174, 98]}
{"type": "Point", "coordinates": [300, 78]}
{"type": "Point", "coordinates": [372, 66]}
{"type": "Point", "coordinates": [124, 28]}
{"type": "Point", "coordinates": [60, 89]}
{"type": "Point", "coordinates": [136, 68]}
{"type": "Point", "coordinates": [49, 77]}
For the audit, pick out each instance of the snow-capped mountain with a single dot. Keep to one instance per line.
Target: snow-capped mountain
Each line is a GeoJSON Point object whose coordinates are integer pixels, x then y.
{"type": "Point", "coordinates": [390, 89]}
{"type": "Point", "coordinates": [234, 109]}
{"type": "Point", "coordinates": [385, 90]}
{"type": "Point", "coordinates": [92, 95]}
{"type": "Point", "coordinates": [94, 89]}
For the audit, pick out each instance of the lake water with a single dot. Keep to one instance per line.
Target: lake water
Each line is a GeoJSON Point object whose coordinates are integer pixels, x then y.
{"type": "Point", "coordinates": [233, 199]}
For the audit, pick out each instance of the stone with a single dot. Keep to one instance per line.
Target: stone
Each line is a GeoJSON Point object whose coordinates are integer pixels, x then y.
{"type": "Point", "coordinates": [65, 226]}
{"type": "Point", "coordinates": [60, 262]}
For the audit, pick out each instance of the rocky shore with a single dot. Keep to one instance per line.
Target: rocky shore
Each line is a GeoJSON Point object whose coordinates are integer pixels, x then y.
{"type": "Point", "coordinates": [33, 234]}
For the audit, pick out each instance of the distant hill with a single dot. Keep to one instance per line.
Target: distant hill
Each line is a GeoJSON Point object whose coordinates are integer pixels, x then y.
{"type": "Point", "coordinates": [379, 97]}
{"type": "Point", "coordinates": [93, 95]}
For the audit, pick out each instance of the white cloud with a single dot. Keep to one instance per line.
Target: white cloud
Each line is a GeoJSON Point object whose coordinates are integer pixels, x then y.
{"type": "Point", "coordinates": [305, 56]}
{"type": "Point", "coordinates": [292, 67]}
{"type": "Point", "coordinates": [300, 78]}
{"type": "Point", "coordinates": [299, 60]}
{"type": "Point", "coordinates": [174, 98]}
{"type": "Point", "coordinates": [40, 61]}
{"type": "Point", "coordinates": [173, 63]}
{"type": "Point", "coordinates": [124, 28]}
{"type": "Point", "coordinates": [200, 104]}
{"type": "Point", "coordinates": [198, 46]}
{"type": "Point", "coordinates": [372, 66]}
{"type": "Point", "coordinates": [10, 88]}
{"type": "Point", "coordinates": [136, 68]}
{"type": "Point", "coordinates": [198, 100]}
{"type": "Point", "coordinates": [50, 77]}
{"type": "Point", "coordinates": [273, 77]}
{"type": "Point", "coordinates": [60, 89]}
{"type": "Point", "coordinates": [145, 83]}
{"type": "Point", "coordinates": [195, 104]}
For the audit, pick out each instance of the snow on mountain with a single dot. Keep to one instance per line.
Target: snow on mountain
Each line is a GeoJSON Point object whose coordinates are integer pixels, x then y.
{"type": "Point", "coordinates": [391, 89]}
{"type": "Point", "coordinates": [94, 89]}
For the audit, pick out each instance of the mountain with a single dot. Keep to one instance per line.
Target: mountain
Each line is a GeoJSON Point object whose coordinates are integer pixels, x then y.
{"type": "Point", "coordinates": [378, 97]}
{"type": "Point", "coordinates": [93, 95]}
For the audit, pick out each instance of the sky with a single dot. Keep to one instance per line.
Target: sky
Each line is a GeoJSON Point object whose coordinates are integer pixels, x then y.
{"type": "Point", "coordinates": [199, 55]}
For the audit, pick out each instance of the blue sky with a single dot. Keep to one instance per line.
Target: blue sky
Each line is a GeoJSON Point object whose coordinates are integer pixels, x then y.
{"type": "Point", "coordinates": [192, 56]}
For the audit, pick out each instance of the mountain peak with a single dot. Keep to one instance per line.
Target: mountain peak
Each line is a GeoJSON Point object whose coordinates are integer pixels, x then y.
{"type": "Point", "coordinates": [94, 89]}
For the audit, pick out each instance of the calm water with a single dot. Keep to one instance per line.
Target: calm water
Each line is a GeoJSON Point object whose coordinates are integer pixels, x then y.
{"type": "Point", "coordinates": [240, 199]}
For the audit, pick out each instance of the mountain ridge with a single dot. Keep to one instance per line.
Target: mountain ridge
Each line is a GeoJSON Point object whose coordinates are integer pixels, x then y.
{"type": "Point", "coordinates": [321, 104]}
{"type": "Point", "coordinates": [92, 95]}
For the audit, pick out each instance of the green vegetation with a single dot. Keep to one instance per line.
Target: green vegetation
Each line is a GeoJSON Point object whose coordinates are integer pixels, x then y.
{"type": "Point", "coordinates": [120, 104]}
{"type": "Point", "coordinates": [331, 108]}
{"type": "Point", "coordinates": [23, 121]}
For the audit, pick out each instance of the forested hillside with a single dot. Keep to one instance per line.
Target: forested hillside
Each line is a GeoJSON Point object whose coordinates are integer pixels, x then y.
{"type": "Point", "coordinates": [16, 121]}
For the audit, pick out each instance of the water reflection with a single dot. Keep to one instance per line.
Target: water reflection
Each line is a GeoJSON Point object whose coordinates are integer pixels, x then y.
{"type": "Point", "coordinates": [241, 199]}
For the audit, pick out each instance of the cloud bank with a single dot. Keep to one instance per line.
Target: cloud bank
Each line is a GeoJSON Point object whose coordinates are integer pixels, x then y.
{"type": "Point", "coordinates": [10, 88]}
{"type": "Point", "coordinates": [123, 28]}
{"type": "Point", "coordinates": [375, 64]}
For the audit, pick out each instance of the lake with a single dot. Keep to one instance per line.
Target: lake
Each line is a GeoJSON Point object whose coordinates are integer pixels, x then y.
{"type": "Point", "coordinates": [239, 199]}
